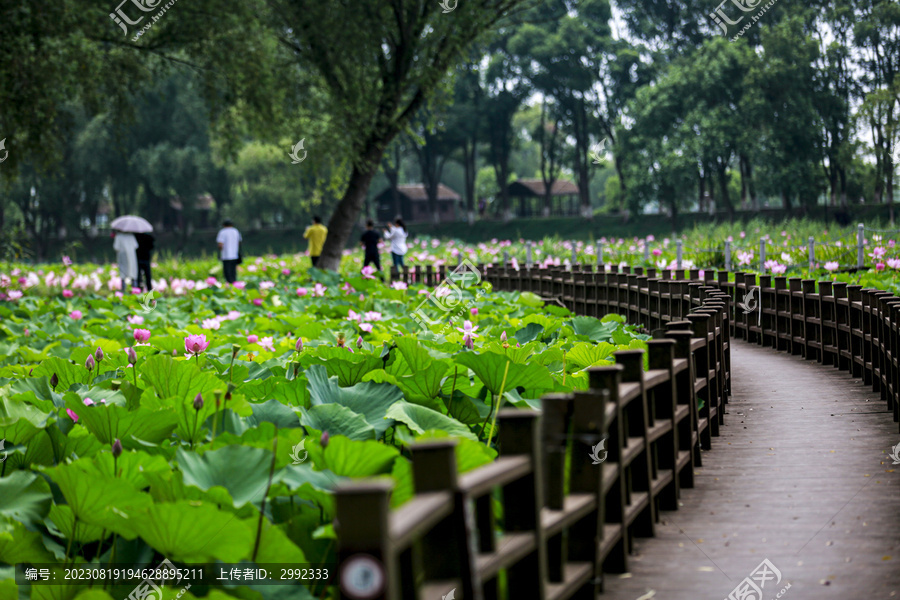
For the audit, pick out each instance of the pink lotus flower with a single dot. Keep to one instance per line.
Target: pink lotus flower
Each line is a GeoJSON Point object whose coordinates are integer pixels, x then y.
{"type": "Point", "coordinates": [135, 319]}
{"type": "Point", "coordinates": [354, 316]}
{"type": "Point", "coordinates": [252, 339]}
{"type": "Point", "coordinates": [319, 290]}
{"type": "Point", "coordinates": [367, 272]}
{"type": "Point", "coordinates": [373, 315]}
{"type": "Point", "coordinates": [362, 297]}
{"type": "Point", "coordinates": [88, 402]}
{"type": "Point", "coordinates": [75, 314]}
{"type": "Point", "coordinates": [831, 266]}
{"type": "Point", "coordinates": [467, 329]}
{"type": "Point", "coordinates": [879, 266]}
{"type": "Point", "coordinates": [239, 285]}
{"type": "Point", "coordinates": [473, 311]}
{"type": "Point", "coordinates": [257, 301]}
{"type": "Point", "coordinates": [268, 343]}
{"type": "Point", "coordinates": [212, 324]}
{"type": "Point", "coordinates": [72, 414]}
{"type": "Point", "coordinates": [359, 342]}
{"type": "Point", "coordinates": [136, 290]}
{"type": "Point", "coordinates": [211, 281]}
{"type": "Point", "coordinates": [468, 342]}
{"type": "Point", "coordinates": [15, 294]}
{"type": "Point", "coordinates": [347, 288]}
{"type": "Point", "coordinates": [656, 252]}
{"type": "Point", "coordinates": [67, 261]}
{"type": "Point", "coordinates": [893, 263]}
{"type": "Point", "coordinates": [367, 327]}
{"type": "Point", "coordinates": [141, 335]}
{"type": "Point", "coordinates": [399, 285]}
{"type": "Point", "coordinates": [195, 344]}
{"type": "Point", "coordinates": [285, 272]}
{"type": "Point", "coordinates": [67, 293]}
{"type": "Point", "coordinates": [302, 291]}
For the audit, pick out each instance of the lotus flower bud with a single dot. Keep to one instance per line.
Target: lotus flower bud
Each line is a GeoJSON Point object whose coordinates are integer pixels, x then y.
{"type": "Point", "coordinates": [324, 440]}
{"type": "Point", "coordinates": [468, 341]}
{"type": "Point", "coordinates": [98, 354]}
{"type": "Point", "coordinates": [54, 381]}
{"type": "Point", "coordinates": [299, 345]}
{"type": "Point", "coordinates": [132, 356]}
{"type": "Point", "coordinates": [503, 337]}
{"type": "Point", "coordinates": [198, 402]}
{"type": "Point", "coordinates": [89, 364]}
{"type": "Point", "coordinates": [359, 342]}
{"type": "Point", "coordinates": [117, 448]}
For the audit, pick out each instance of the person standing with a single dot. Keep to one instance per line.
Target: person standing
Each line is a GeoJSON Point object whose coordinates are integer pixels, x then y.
{"type": "Point", "coordinates": [397, 236]}
{"type": "Point", "coordinates": [125, 246]}
{"type": "Point", "coordinates": [229, 240]}
{"type": "Point", "coordinates": [370, 239]}
{"type": "Point", "coordinates": [316, 234]}
{"type": "Point", "coordinates": [144, 253]}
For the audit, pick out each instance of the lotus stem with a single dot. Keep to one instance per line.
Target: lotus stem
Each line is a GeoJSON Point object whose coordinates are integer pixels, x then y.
{"type": "Point", "coordinates": [499, 399]}
{"type": "Point", "coordinates": [262, 507]}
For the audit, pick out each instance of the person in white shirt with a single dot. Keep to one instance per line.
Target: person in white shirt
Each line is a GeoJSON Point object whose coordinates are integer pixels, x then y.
{"type": "Point", "coordinates": [229, 240]}
{"type": "Point", "coordinates": [397, 236]}
{"type": "Point", "coordinates": [125, 245]}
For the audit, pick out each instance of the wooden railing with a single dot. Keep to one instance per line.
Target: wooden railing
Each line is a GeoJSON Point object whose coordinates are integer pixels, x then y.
{"type": "Point", "coordinates": [846, 326]}
{"type": "Point", "coordinates": [545, 520]}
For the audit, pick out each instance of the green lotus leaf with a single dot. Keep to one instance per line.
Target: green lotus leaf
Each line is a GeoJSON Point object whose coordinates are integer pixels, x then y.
{"type": "Point", "coordinates": [25, 497]}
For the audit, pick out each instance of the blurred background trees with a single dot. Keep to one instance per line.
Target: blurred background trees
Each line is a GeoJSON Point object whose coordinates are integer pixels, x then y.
{"type": "Point", "coordinates": [195, 120]}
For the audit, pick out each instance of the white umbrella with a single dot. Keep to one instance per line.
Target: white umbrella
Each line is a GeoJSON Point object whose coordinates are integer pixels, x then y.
{"type": "Point", "coordinates": [131, 224]}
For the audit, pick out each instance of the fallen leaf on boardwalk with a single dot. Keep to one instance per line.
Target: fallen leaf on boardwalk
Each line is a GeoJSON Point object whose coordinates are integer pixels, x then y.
{"type": "Point", "coordinates": [700, 541]}
{"type": "Point", "coordinates": [885, 558]}
{"type": "Point", "coordinates": [626, 576]}
{"type": "Point", "coordinates": [829, 543]}
{"type": "Point", "coordinates": [648, 595]}
{"type": "Point", "coordinates": [706, 569]}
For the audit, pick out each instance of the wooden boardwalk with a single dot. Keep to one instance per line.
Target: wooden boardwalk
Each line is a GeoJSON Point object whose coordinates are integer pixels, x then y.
{"type": "Point", "coordinates": [800, 476]}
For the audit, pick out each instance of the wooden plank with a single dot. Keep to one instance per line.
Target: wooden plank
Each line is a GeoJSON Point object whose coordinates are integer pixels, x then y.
{"type": "Point", "coordinates": [511, 548]}
{"type": "Point", "coordinates": [415, 518]}
{"type": "Point", "coordinates": [575, 575]}
{"type": "Point", "coordinates": [575, 507]}
{"type": "Point", "coordinates": [500, 472]}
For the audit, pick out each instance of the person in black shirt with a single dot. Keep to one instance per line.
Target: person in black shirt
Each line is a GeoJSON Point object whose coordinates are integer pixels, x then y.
{"type": "Point", "coordinates": [144, 251]}
{"type": "Point", "coordinates": [370, 239]}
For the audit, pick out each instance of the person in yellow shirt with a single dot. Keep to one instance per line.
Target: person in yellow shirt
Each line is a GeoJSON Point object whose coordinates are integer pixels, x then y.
{"type": "Point", "coordinates": [316, 235]}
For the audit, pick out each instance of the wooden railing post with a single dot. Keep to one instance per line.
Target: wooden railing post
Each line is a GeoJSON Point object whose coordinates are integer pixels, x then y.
{"type": "Point", "coordinates": [448, 548]}
{"type": "Point", "coordinates": [365, 556]}
{"type": "Point", "coordinates": [523, 501]}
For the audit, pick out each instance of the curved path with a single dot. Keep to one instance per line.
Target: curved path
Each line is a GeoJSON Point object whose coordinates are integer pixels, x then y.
{"type": "Point", "coordinates": [800, 476]}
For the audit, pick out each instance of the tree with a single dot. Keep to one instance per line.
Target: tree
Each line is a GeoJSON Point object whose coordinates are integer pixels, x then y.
{"type": "Point", "coordinates": [400, 51]}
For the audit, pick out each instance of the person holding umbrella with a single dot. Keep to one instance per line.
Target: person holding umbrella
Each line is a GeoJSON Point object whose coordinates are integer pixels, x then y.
{"type": "Point", "coordinates": [126, 245]}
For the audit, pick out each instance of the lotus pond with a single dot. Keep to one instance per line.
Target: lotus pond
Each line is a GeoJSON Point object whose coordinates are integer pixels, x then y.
{"type": "Point", "coordinates": [212, 425]}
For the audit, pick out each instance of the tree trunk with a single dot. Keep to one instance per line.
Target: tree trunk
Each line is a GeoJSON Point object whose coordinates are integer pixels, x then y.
{"type": "Point", "coordinates": [340, 226]}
